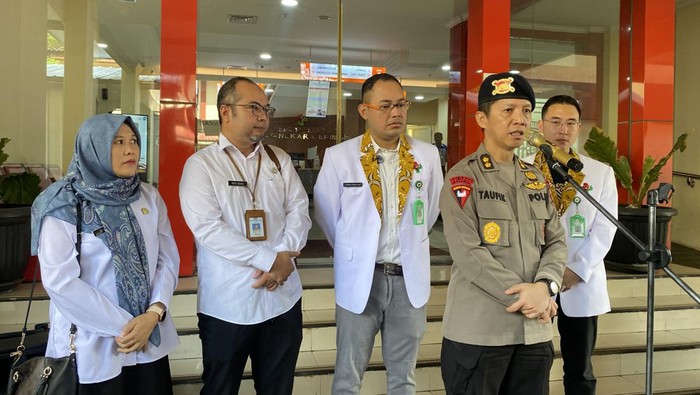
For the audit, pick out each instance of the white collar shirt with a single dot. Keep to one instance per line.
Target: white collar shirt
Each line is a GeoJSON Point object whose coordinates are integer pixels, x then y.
{"type": "Point", "coordinates": [214, 204]}
{"type": "Point", "coordinates": [84, 293]}
{"type": "Point", "coordinates": [389, 250]}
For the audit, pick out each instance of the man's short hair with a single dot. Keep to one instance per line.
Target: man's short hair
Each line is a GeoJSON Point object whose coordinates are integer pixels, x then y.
{"type": "Point", "coordinates": [369, 82]}
{"type": "Point", "coordinates": [561, 99]}
{"type": "Point", "coordinates": [227, 93]}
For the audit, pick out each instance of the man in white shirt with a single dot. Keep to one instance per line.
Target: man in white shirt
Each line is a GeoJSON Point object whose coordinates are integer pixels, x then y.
{"type": "Point", "coordinates": [376, 198]}
{"type": "Point", "coordinates": [248, 211]}
{"type": "Point", "coordinates": [584, 292]}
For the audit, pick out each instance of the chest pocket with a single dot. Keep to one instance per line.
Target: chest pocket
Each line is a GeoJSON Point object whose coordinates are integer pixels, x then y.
{"type": "Point", "coordinates": [494, 222]}
{"type": "Point", "coordinates": [540, 216]}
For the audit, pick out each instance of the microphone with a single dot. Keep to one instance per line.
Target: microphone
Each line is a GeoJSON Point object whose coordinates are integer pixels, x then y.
{"type": "Point", "coordinates": [537, 140]}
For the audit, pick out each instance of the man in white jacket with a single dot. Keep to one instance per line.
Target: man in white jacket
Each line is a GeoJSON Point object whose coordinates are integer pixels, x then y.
{"type": "Point", "coordinates": [376, 198]}
{"type": "Point", "coordinates": [584, 293]}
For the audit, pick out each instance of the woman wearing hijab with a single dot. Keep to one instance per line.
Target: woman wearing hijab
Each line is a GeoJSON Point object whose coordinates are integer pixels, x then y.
{"type": "Point", "coordinates": [118, 290]}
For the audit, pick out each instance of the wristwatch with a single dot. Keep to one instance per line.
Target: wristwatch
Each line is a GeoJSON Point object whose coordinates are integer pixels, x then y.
{"type": "Point", "coordinates": [552, 286]}
{"type": "Point", "coordinates": [158, 310]}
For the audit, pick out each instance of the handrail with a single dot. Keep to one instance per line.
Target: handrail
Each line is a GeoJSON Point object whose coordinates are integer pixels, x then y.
{"type": "Point", "coordinates": [689, 177]}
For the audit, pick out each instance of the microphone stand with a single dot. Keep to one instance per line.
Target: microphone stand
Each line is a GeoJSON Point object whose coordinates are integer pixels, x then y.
{"type": "Point", "coordinates": [657, 255]}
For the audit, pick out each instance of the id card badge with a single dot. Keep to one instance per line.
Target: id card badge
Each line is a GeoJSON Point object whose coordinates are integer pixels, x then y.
{"type": "Point", "coordinates": [577, 226]}
{"type": "Point", "coordinates": [256, 228]}
{"type": "Point", "coordinates": [418, 212]}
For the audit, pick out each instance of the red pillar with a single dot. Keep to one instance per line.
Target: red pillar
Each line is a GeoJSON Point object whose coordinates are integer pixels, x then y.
{"type": "Point", "coordinates": [483, 47]}
{"type": "Point", "coordinates": [645, 102]}
{"type": "Point", "coordinates": [178, 103]}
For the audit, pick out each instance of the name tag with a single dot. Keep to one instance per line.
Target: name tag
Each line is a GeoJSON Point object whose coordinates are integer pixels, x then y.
{"type": "Point", "coordinates": [237, 184]}
{"type": "Point", "coordinates": [98, 231]}
{"type": "Point", "coordinates": [352, 185]}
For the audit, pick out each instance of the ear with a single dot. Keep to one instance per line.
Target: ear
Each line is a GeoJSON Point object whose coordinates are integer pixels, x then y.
{"type": "Point", "coordinates": [540, 124]}
{"type": "Point", "coordinates": [223, 111]}
{"type": "Point", "coordinates": [481, 119]}
{"type": "Point", "coordinates": [362, 109]}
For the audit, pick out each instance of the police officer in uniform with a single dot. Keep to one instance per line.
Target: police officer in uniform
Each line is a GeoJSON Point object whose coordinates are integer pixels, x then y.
{"type": "Point", "coordinates": [509, 253]}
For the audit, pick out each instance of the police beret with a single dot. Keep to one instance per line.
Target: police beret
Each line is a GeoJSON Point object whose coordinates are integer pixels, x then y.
{"type": "Point", "coordinates": [506, 86]}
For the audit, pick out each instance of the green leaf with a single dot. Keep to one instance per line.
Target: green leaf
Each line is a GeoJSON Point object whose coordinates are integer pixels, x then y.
{"type": "Point", "coordinates": [20, 188]}
{"type": "Point", "coordinates": [601, 148]}
{"type": "Point", "coordinates": [3, 155]}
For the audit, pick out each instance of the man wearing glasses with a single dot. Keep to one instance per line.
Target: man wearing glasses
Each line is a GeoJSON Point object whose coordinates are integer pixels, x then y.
{"type": "Point", "coordinates": [376, 199]}
{"type": "Point", "coordinates": [584, 293]}
{"type": "Point", "coordinates": [249, 214]}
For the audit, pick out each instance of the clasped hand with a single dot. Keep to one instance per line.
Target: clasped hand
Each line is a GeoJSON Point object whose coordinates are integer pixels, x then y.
{"type": "Point", "coordinates": [282, 267]}
{"type": "Point", "coordinates": [533, 301]}
{"type": "Point", "coordinates": [134, 336]}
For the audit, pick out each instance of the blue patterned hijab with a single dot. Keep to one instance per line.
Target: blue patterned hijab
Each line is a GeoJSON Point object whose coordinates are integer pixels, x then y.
{"type": "Point", "coordinates": [105, 202]}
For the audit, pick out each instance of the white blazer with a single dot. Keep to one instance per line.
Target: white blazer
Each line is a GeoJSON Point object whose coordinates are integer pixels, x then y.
{"type": "Point", "coordinates": [348, 217]}
{"type": "Point", "coordinates": [590, 298]}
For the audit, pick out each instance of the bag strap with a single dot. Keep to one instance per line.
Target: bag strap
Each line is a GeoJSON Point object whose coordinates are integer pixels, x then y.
{"type": "Point", "coordinates": [273, 156]}
{"type": "Point", "coordinates": [78, 243]}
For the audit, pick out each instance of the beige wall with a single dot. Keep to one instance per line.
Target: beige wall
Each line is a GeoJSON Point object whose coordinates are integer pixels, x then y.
{"type": "Point", "coordinates": [685, 227]}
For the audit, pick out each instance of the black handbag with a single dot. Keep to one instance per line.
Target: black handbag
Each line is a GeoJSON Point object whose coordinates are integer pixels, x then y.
{"type": "Point", "coordinates": [42, 375]}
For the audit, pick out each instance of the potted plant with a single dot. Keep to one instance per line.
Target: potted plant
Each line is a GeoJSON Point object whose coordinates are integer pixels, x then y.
{"type": "Point", "coordinates": [17, 192]}
{"type": "Point", "coordinates": [600, 147]}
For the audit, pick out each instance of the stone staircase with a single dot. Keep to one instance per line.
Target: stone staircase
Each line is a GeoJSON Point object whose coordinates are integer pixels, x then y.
{"type": "Point", "coordinates": [619, 361]}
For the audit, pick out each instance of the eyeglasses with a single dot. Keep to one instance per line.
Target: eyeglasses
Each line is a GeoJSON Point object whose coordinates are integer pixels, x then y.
{"type": "Point", "coordinates": [386, 107]}
{"type": "Point", "coordinates": [257, 109]}
{"type": "Point", "coordinates": [557, 123]}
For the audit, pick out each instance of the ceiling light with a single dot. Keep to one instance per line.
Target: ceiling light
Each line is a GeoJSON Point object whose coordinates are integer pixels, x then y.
{"type": "Point", "coordinates": [446, 67]}
{"type": "Point", "coordinates": [419, 97]}
{"type": "Point", "coordinates": [323, 17]}
{"type": "Point", "coordinates": [290, 3]}
{"type": "Point", "coordinates": [269, 90]}
{"type": "Point", "coordinates": [480, 71]}
{"type": "Point", "coordinates": [514, 71]}
{"type": "Point", "coordinates": [102, 45]}
{"type": "Point", "coordinates": [347, 94]}
{"type": "Point", "coordinates": [265, 56]}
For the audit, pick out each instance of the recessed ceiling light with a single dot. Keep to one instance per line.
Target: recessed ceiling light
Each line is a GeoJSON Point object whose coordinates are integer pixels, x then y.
{"type": "Point", "coordinates": [290, 3]}
{"type": "Point", "coordinates": [102, 45]}
{"type": "Point", "coordinates": [480, 71]}
{"type": "Point", "coordinates": [347, 94]}
{"type": "Point", "coordinates": [446, 67]}
{"type": "Point", "coordinates": [323, 17]}
{"type": "Point", "coordinates": [514, 71]}
{"type": "Point", "coordinates": [269, 90]}
{"type": "Point", "coordinates": [265, 56]}
{"type": "Point", "coordinates": [419, 97]}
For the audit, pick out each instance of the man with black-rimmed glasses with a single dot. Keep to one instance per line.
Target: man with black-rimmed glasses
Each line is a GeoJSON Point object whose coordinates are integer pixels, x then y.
{"type": "Point", "coordinates": [376, 199]}
{"type": "Point", "coordinates": [249, 214]}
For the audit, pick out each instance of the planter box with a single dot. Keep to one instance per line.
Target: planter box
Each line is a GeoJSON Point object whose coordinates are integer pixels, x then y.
{"type": "Point", "coordinates": [623, 253]}
{"type": "Point", "coordinates": [15, 239]}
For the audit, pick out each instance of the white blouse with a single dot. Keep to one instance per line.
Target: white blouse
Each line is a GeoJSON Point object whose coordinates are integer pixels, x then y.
{"type": "Point", "coordinates": [85, 293]}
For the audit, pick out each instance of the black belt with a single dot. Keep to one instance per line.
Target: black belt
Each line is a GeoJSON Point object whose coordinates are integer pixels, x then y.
{"type": "Point", "coordinates": [391, 269]}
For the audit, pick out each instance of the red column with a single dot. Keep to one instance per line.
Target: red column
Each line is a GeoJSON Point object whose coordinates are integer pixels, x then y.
{"type": "Point", "coordinates": [178, 103]}
{"type": "Point", "coordinates": [487, 50]}
{"type": "Point", "coordinates": [645, 102]}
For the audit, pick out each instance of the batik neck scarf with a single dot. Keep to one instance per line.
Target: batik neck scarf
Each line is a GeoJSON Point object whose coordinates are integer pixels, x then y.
{"type": "Point", "coordinates": [562, 193]}
{"type": "Point", "coordinates": [371, 169]}
{"type": "Point", "coordinates": [105, 203]}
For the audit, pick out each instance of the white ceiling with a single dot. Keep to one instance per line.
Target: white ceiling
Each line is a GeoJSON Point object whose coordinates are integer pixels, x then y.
{"type": "Point", "coordinates": [409, 37]}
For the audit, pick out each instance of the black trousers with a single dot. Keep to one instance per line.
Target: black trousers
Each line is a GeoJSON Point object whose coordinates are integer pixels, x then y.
{"type": "Point", "coordinates": [273, 348]}
{"type": "Point", "coordinates": [146, 379]}
{"type": "Point", "coordinates": [577, 342]}
{"type": "Point", "coordinates": [490, 370]}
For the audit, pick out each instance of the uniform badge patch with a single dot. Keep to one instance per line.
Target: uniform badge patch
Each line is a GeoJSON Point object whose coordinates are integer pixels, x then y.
{"type": "Point", "coordinates": [492, 232]}
{"type": "Point", "coordinates": [502, 86]}
{"type": "Point", "coordinates": [486, 161]}
{"type": "Point", "coordinates": [522, 164]}
{"type": "Point", "coordinates": [535, 186]}
{"type": "Point", "coordinates": [461, 187]}
{"type": "Point", "coordinates": [530, 176]}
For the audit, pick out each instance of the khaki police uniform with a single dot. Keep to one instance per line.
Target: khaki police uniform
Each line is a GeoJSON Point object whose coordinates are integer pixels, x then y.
{"type": "Point", "coordinates": [499, 236]}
